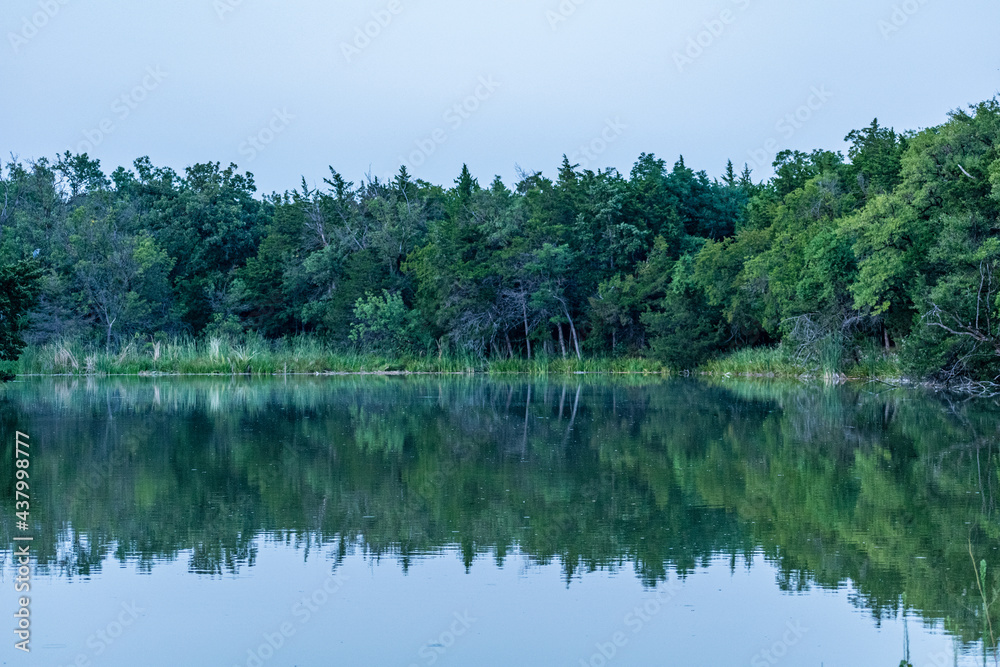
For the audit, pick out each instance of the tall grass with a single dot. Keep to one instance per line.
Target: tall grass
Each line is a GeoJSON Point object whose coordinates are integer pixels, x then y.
{"type": "Point", "coordinates": [873, 363]}
{"type": "Point", "coordinates": [830, 353]}
{"type": "Point", "coordinates": [830, 360]}
{"type": "Point", "coordinates": [544, 365]}
{"type": "Point", "coordinates": [760, 361]}
{"type": "Point", "coordinates": [254, 355]}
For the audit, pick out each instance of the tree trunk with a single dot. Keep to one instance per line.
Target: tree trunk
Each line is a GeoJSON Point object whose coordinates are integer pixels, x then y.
{"type": "Point", "coordinates": [562, 342]}
{"type": "Point", "coordinates": [527, 336]}
{"type": "Point", "coordinates": [576, 340]}
{"type": "Point", "coordinates": [111, 323]}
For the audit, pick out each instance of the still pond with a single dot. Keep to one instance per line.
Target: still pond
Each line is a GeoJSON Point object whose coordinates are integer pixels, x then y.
{"type": "Point", "coordinates": [457, 520]}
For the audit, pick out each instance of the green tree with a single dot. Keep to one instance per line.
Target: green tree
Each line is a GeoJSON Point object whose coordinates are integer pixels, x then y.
{"type": "Point", "coordinates": [876, 155]}
{"type": "Point", "coordinates": [210, 223]}
{"type": "Point", "coordinates": [123, 279]}
{"type": "Point", "coordinates": [19, 288]}
{"type": "Point", "coordinates": [617, 310]}
{"type": "Point", "coordinates": [685, 330]}
{"type": "Point", "coordinates": [383, 324]}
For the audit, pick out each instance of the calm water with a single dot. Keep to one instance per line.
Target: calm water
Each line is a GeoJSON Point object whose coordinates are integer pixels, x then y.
{"type": "Point", "coordinates": [463, 521]}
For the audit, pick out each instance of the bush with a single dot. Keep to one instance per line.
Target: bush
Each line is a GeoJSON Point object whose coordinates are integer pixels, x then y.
{"type": "Point", "coordinates": [384, 325]}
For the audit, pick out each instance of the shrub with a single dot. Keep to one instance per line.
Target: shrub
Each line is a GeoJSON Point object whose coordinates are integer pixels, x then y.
{"type": "Point", "coordinates": [383, 324]}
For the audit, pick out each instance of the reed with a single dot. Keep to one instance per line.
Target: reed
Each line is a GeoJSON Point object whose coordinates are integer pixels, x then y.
{"type": "Point", "coordinates": [254, 355]}
{"type": "Point", "coordinates": [757, 361]}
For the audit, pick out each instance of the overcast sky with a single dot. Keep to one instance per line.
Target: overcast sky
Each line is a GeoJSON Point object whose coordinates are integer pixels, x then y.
{"type": "Point", "coordinates": [285, 89]}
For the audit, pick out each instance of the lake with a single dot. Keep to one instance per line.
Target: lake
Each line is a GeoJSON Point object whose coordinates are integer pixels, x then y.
{"type": "Point", "coordinates": [461, 520]}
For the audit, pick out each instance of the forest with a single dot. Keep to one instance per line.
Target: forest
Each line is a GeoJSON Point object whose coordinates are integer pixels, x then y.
{"type": "Point", "coordinates": [889, 250]}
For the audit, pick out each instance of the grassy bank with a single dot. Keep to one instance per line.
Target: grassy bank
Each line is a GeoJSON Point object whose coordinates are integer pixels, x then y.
{"type": "Point", "coordinates": [871, 364]}
{"type": "Point", "coordinates": [256, 356]}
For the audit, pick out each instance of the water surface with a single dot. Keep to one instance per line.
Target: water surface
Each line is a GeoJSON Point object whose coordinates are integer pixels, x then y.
{"type": "Point", "coordinates": [470, 521]}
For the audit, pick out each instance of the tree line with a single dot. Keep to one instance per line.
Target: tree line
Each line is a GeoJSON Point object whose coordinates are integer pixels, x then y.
{"type": "Point", "coordinates": [892, 246]}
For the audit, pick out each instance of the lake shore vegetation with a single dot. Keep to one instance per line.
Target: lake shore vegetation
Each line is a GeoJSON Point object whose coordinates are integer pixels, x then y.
{"type": "Point", "coordinates": [877, 263]}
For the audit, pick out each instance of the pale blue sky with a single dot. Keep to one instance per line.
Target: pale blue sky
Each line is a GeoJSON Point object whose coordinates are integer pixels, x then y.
{"type": "Point", "coordinates": [286, 88]}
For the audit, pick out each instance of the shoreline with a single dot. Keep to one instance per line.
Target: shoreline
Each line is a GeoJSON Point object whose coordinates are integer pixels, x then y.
{"type": "Point", "coordinates": [805, 378]}
{"type": "Point", "coordinates": [256, 358]}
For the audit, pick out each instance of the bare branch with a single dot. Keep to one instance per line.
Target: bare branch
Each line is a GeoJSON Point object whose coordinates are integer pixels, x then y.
{"type": "Point", "coordinates": [967, 173]}
{"type": "Point", "coordinates": [934, 316]}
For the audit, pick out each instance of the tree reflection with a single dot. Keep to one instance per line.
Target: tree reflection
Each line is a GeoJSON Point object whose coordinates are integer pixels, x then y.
{"type": "Point", "coordinates": [887, 492]}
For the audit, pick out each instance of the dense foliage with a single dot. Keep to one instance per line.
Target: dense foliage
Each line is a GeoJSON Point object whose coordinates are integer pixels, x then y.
{"type": "Point", "coordinates": [18, 292]}
{"type": "Point", "coordinates": [893, 246]}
